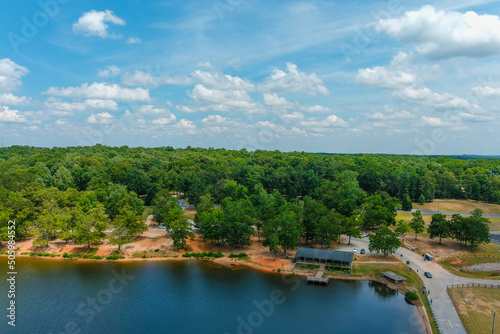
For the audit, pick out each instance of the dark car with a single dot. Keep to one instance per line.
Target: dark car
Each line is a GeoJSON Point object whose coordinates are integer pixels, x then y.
{"type": "Point", "coordinates": [427, 274]}
{"type": "Point", "coordinates": [362, 251]}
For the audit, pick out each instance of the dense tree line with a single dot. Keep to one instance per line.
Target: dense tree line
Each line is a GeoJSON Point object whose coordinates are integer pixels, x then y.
{"type": "Point", "coordinates": [76, 193]}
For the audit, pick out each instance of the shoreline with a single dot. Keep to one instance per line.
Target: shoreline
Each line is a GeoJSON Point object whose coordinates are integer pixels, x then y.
{"type": "Point", "coordinates": [233, 263]}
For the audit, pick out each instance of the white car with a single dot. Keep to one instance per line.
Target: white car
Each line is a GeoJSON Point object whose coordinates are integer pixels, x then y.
{"type": "Point", "coordinates": [364, 235]}
{"type": "Point", "coordinates": [355, 250]}
{"type": "Point", "coordinates": [162, 227]}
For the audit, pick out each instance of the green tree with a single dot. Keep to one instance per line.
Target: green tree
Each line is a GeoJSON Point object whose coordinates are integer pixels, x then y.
{"type": "Point", "coordinates": [181, 230]}
{"type": "Point", "coordinates": [206, 205]}
{"type": "Point", "coordinates": [62, 178]}
{"type": "Point", "coordinates": [212, 226]}
{"type": "Point", "coordinates": [421, 199]}
{"type": "Point", "coordinates": [417, 223]}
{"type": "Point", "coordinates": [313, 212]}
{"type": "Point", "coordinates": [329, 228]}
{"type": "Point", "coordinates": [401, 229]}
{"type": "Point", "coordinates": [439, 227]}
{"type": "Point", "coordinates": [127, 226]}
{"type": "Point", "coordinates": [479, 229]}
{"type": "Point", "coordinates": [90, 226]}
{"type": "Point", "coordinates": [406, 203]}
{"type": "Point", "coordinates": [163, 203]}
{"type": "Point", "coordinates": [349, 228]}
{"type": "Point", "coordinates": [384, 240]}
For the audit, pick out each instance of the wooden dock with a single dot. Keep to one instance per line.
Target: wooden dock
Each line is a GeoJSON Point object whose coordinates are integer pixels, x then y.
{"type": "Point", "coordinates": [317, 278]}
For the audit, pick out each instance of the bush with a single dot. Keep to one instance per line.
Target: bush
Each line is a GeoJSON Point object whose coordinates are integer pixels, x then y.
{"type": "Point", "coordinates": [114, 257]}
{"type": "Point", "coordinates": [279, 270]}
{"type": "Point", "coordinates": [309, 266]}
{"type": "Point", "coordinates": [4, 252]}
{"type": "Point", "coordinates": [334, 268]}
{"type": "Point", "coordinates": [239, 256]}
{"type": "Point", "coordinates": [157, 250]}
{"type": "Point", "coordinates": [202, 255]}
{"type": "Point", "coordinates": [411, 296]}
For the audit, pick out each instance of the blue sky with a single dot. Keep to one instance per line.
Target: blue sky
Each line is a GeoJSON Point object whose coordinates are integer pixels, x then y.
{"type": "Point", "coordinates": [319, 76]}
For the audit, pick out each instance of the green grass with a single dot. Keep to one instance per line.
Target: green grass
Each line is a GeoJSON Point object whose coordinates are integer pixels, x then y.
{"type": "Point", "coordinates": [453, 265]}
{"type": "Point", "coordinates": [459, 206]}
{"type": "Point", "coordinates": [476, 314]}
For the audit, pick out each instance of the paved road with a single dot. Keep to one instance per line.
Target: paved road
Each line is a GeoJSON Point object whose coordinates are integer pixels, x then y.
{"type": "Point", "coordinates": [449, 213]}
{"type": "Point", "coordinates": [495, 237]}
{"type": "Point", "coordinates": [446, 315]}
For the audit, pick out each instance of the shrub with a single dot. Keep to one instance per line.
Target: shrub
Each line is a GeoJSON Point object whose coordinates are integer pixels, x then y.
{"type": "Point", "coordinates": [279, 270]}
{"type": "Point", "coordinates": [239, 256]}
{"type": "Point", "coordinates": [411, 296]}
{"type": "Point", "coordinates": [114, 257]}
{"type": "Point", "coordinates": [157, 250]}
{"type": "Point", "coordinates": [334, 267]}
{"type": "Point", "coordinates": [309, 266]}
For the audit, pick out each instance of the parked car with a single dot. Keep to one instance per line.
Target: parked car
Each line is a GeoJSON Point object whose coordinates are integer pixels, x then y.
{"type": "Point", "coordinates": [362, 251]}
{"type": "Point", "coordinates": [355, 250]}
{"type": "Point", "coordinates": [162, 227]}
{"type": "Point", "coordinates": [364, 235]}
{"type": "Point", "coordinates": [428, 274]}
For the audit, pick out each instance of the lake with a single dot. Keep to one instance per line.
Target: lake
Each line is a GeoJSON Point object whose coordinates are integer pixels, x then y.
{"type": "Point", "coordinates": [54, 296]}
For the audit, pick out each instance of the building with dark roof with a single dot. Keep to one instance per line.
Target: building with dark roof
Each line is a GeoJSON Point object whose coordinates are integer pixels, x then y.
{"type": "Point", "coordinates": [314, 255]}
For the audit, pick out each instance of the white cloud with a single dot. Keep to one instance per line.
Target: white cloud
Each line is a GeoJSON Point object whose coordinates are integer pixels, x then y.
{"type": "Point", "coordinates": [60, 121]}
{"type": "Point", "coordinates": [315, 109]}
{"type": "Point", "coordinates": [273, 100]}
{"type": "Point", "coordinates": [223, 100]}
{"type": "Point", "coordinates": [149, 109]}
{"type": "Point", "coordinates": [434, 121]}
{"type": "Point", "coordinates": [93, 23]}
{"type": "Point", "coordinates": [11, 116]}
{"type": "Point", "coordinates": [185, 125]}
{"type": "Point", "coordinates": [219, 80]}
{"type": "Point", "coordinates": [102, 91]}
{"type": "Point", "coordinates": [13, 100]}
{"type": "Point", "coordinates": [185, 109]}
{"type": "Point", "coordinates": [140, 78]}
{"type": "Point", "coordinates": [102, 118]}
{"type": "Point", "coordinates": [389, 115]}
{"type": "Point", "coordinates": [293, 81]}
{"type": "Point", "coordinates": [133, 40]}
{"type": "Point", "coordinates": [330, 121]}
{"type": "Point", "coordinates": [429, 98]}
{"type": "Point", "coordinates": [383, 77]}
{"type": "Point", "coordinates": [164, 120]}
{"type": "Point", "coordinates": [10, 75]}
{"type": "Point", "coordinates": [443, 34]}
{"type": "Point", "coordinates": [58, 107]}
{"type": "Point", "coordinates": [293, 117]}
{"type": "Point", "coordinates": [487, 91]}
{"type": "Point", "coordinates": [111, 70]}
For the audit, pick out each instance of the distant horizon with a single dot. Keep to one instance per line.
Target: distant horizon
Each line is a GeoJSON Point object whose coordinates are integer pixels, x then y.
{"type": "Point", "coordinates": [265, 150]}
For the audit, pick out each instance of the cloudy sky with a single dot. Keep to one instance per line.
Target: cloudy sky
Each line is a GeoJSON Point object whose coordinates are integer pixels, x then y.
{"type": "Point", "coordinates": [318, 76]}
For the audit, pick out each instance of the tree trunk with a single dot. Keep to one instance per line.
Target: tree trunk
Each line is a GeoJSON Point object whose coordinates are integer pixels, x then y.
{"type": "Point", "coordinates": [349, 240]}
{"type": "Point", "coordinates": [416, 236]}
{"type": "Point", "coordinates": [440, 240]}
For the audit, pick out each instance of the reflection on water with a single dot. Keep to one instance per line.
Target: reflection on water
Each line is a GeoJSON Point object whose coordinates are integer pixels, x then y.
{"type": "Point", "coordinates": [196, 296]}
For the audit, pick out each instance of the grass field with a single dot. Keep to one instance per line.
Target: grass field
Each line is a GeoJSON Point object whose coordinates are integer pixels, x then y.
{"type": "Point", "coordinates": [489, 253]}
{"type": "Point", "coordinates": [476, 313]}
{"type": "Point", "coordinates": [406, 216]}
{"type": "Point", "coordinates": [459, 206]}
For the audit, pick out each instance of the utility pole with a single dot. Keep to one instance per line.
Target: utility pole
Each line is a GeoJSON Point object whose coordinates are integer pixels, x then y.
{"type": "Point", "coordinates": [494, 314]}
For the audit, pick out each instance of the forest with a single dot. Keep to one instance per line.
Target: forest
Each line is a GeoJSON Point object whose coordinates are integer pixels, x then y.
{"type": "Point", "coordinates": [79, 193]}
